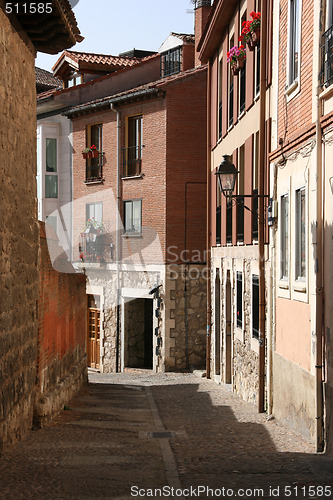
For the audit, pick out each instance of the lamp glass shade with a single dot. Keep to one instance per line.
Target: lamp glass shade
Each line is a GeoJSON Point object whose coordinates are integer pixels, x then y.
{"type": "Point", "coordinates": [227, 174]}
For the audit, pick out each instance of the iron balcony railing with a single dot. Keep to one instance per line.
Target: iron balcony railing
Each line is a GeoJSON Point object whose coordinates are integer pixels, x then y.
{"type": "Point", "coordinates": [132, 160]}
{"type": "Point", "coordinates": [327, 58]}
{"type": "Point", "coordinates": [96, 248]}
{"type": "Point", "coordinates": [94, 168]}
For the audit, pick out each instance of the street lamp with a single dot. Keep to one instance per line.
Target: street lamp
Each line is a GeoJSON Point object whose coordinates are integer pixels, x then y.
{"type": "Point", "coordinates": [227, 174]}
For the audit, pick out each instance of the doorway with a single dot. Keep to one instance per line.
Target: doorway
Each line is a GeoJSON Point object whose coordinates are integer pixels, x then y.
{"type": "Point", "coordinates": [217, 323]}
{"type": "Point", "coordinates": [139, 333]}
{"type": "Point", "coordinates": [93, 331]}
{"type": "Point", "coordinates": [228, 339]}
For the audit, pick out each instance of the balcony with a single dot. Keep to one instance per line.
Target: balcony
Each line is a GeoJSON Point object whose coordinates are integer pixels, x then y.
{"type": "Point", "coordinates": [327, 58]}
{"type": "Point", "coordinates": [94, 169]}
{"type": "Point", "coordinates": [132, 159]}
{"type": "Point", "coordinates": [95, 247]}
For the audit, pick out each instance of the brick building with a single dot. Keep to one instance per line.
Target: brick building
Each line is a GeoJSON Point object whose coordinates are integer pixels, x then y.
{"type": "Point", "coordinates": [20, 36]}
{"type": "Point", "coordinates": [139, 207]}
{"type": "Point", "coordinates": [301, 173]}
{"type": "Point", "coordinates": [239, 124]}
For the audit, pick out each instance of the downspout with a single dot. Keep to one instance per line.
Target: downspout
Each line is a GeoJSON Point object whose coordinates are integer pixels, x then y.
{"type": "Point", "coordinates": [261, 221]}
{"type": "Point", "coordinates": [118, 256]}
{"type": "Point", "coordinates": [319, 283]}
{"type": "Point", "coordinates": [208, 235]}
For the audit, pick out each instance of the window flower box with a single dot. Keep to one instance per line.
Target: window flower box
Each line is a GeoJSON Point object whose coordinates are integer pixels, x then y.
{"type": "Point", "coordinates": [236, 56]}
{"type": "Point", "coordinates": [251, 31]}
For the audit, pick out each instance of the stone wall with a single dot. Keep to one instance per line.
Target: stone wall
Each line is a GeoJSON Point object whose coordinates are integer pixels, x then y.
{"type": "Point", "coordinates": [187, 310]}
{"type": "Point", "coordinates": [18, 236]}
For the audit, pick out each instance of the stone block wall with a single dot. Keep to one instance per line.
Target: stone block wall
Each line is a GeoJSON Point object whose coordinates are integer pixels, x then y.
{"type": "Point", "coordinates": [62, 314]}
{"type": "Point", "coordinates": [187, 310]}
{"type": "Point", "coordinates": [18, 235]}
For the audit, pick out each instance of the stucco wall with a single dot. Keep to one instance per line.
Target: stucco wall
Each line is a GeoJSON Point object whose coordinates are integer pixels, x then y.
{"type": "Point", "coordinates": [62, 313]}
{"type": "Point", "coordinates": [294, 396]}
{"type": "Point", "coordinates": [18, 235]}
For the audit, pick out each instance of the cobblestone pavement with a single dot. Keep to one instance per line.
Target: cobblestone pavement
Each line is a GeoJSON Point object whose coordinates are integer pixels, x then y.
{"type": "Point", "coordinates": [128, 434]}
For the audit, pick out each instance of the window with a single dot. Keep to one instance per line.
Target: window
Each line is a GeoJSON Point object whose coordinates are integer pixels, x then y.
{"type": "Point", "coordinates": [239, 298]}
{"type": "Point", "coordinates": [51, 177]}
{"type": "Point", "coordinates": [229, 221]}
{"type": "Point", "coordinates": [132, 216]}
{"type": "Point", "coordinates": [242, 77]}
{"type": "Point", "coordinates": [73, 79]}
{"type": "Point", "coordinates": [95, 211]}
{"type": "Point", "coordinates": [133, 151]}
{"type": "Point", "coordinates": [170, 62]}
{"type": "Point", "coordinates": [94, 136]}
{"type": "Point", "coordinates": [327, 48]}
{"type": "Point", "coordinates": [284, 260]}
{"type": "Point", "coordinates": [231, 91]}
{"type": "Point", "coordinates": [220, 99]}
{"type": "Point", "coordinates": [240, 192]}
{"type": "Point", "coordinates": [255, 306]}
{"type": "Point", "coordinates": [218, 214]}
{"type": "Point", "coordinates": [255, 188]}
{"type": "Point", "coordinates": [294, 41]}
{"type": "Point", "coordinates": [257, 58]}
{"type": "Point", "coordinates": [300, 234]}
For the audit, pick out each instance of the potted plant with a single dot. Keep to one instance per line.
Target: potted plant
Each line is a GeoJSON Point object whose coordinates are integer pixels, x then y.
{"type": "Point", "coordinates": [255, 26]}
{"type": "Point", "coordinates": [86, 153]}
{"type": "Point", "coordinates": [94, 151]}
{"type": "Point", "coordinates": [236, 56]}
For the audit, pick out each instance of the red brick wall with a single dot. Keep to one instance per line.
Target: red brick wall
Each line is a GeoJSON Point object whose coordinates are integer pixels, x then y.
{"type": "Point", "coordinates": [296, 114]}
{"type": "Point", "coordinates": [150, 187]}
{"type": "Point", "coordinates": [186, 161]}
{"type": "Point", "coordinates": [62, 316]}
{"type": "Point", "coordinates": [187, 57]}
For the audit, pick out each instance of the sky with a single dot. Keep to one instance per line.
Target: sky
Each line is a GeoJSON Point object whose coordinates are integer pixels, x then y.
{"type": "Point", "coordinates": [114, 26]}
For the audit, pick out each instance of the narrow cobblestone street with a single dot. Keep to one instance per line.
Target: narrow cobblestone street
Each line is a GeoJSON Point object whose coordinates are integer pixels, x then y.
{"type": "Point", "coordinates": [143, 431]}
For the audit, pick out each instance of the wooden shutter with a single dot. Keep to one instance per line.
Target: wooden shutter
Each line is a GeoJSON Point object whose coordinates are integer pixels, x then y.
{"type": "Point", "coordinates": [250, 61]}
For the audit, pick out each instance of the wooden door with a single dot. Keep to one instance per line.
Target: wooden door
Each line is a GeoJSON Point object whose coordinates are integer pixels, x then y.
{"type": "Point", "coordinates": [93, 341]}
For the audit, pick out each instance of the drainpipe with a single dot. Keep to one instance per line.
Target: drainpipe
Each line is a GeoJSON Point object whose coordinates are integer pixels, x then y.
{"type": "Point", "coordinates": [208, 235]}
{"type": "Point", "coordinates": [319, 283]}
{"type": "Point", "coordinates": [261, 221]}
{"type": "Point", "coordinates": [118, 256]}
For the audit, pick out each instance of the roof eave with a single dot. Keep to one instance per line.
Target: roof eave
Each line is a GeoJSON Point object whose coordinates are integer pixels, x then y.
{"type": "Point", "coordinates": [212, 36]}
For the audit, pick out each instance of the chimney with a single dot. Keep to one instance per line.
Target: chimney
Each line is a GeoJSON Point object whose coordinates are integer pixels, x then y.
{"type": "Point", "coordinates": [202, 11]}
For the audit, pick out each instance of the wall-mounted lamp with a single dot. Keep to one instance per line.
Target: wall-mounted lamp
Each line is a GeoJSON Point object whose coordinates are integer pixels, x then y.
{"type": "Point", "coordinates": [226, 176]}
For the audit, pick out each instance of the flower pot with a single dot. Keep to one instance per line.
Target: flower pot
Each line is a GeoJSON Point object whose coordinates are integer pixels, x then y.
{"type": "Point", "coordinates": [235, 69]}
{"type": "Point", "coordinates": [250, 44]}
{"type": "Point", "coordinates": [240, 62]}
{"type": "Point", "coordinates": [89, 154]}
{"type": "Point", "coordinates": [256, 36]}
{"type": "Point", "coordinates": [85, 155]}
{"type": "Point", "coordinates": [94, 154]}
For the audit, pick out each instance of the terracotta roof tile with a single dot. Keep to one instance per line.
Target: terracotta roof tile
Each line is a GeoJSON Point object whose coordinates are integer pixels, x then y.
{"type": "Point", "coordinates": [104, 59]}
{"type": "Point", "coordinates": [46, 79]}
{"type": "Point", "coordinates": [189, 38]}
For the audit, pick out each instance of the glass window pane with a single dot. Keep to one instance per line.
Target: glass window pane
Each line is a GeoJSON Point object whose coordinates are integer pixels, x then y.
{"type": "Point", "coordinates": [300, 234]}
{"type": "Point", "coordinates": [284, 236]}
{"type": "Point", "coordinates": [51, 186]}
{"type": "Point", "coordinates": [51, 155]}
{"type": "Point", "coordinates": [128, 216]}
{"type": "Point", "coordinates": [137, 216]}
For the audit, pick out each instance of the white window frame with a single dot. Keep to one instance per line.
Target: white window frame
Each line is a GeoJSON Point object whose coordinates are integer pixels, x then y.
{"type": "Point", "coordinates": [284, 277]}
{"type": "Point", "coordinates": [293, 86]}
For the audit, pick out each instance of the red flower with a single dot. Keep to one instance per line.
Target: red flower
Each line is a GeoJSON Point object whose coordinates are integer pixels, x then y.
{"type": "Point", "coordinates": [240, 38]}
{"type": "Point", "coordinates": [241, 47]}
